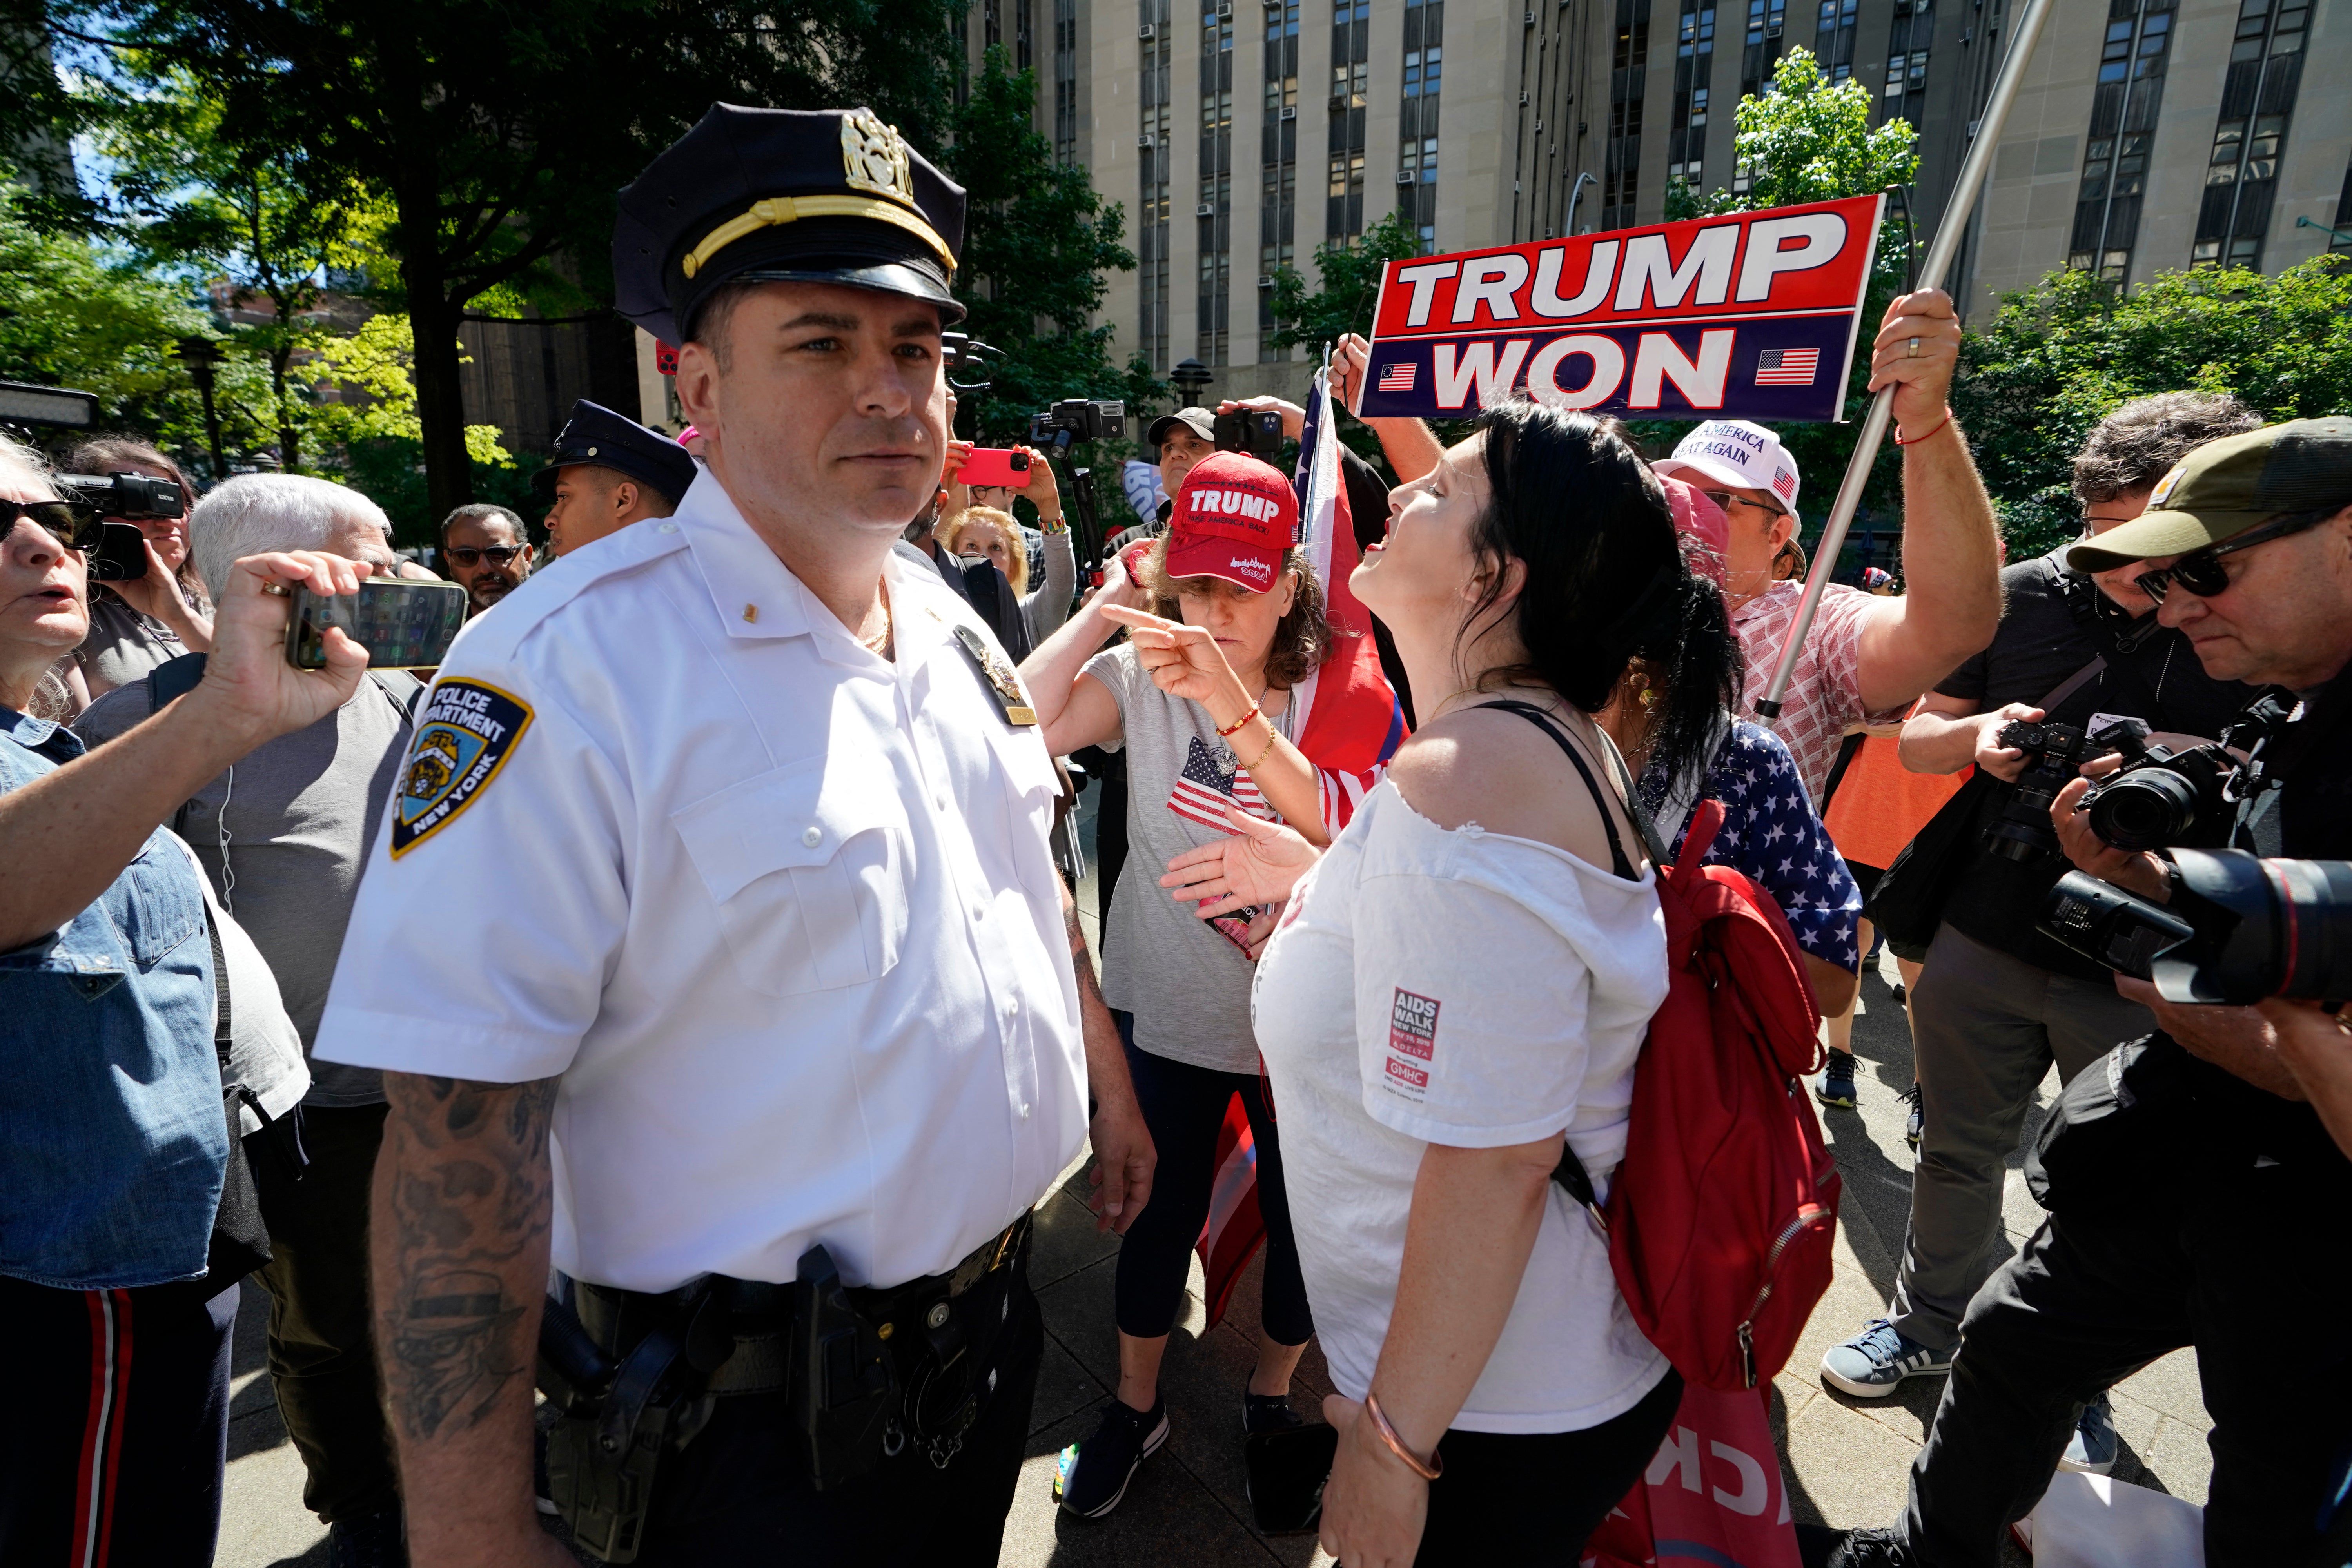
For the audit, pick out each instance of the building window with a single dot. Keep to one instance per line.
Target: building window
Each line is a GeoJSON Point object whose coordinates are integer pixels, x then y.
{"type": "Point", "coordinates": [2339, 242]}
{"type": "Point", "coordinates": [1352, 52]}
{"type": "Point", "coordinates": [1215, 210]}
{"type": "Point", "coordinates": [1425, 61]}
{"type": "Point", "coordinates": [1622, 152]}
{"type": "Point", "coordinates": [2123, 124]}
{"type": "Point", "coordinates": [1154, 154]}
{"type": "Point", "coordinates": [1768, 22]}
{"type": "Point", "coordinates": [2249, 136]}
{"type": "Point", "coordinates": [1833, 33]}
{"type": "Point", "coordinates": [1277, 202]}
{"type": "Point", "coordinates": [1694, 63]}
{"type": "Point", "coordinates": [1065, 81]}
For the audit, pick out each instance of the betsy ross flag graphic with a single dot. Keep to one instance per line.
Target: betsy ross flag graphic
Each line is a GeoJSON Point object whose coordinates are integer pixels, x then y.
{"type": "Point", "coordinates": [1397, 377]}
{"type": "Point", "coordinates": [1203, 790]}
{"type": "Point", "coordinates": [1787, 367]}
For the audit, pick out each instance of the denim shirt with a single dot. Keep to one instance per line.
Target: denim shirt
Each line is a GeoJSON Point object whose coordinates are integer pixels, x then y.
{"type": "Point", "coordinates": [112, 1139]}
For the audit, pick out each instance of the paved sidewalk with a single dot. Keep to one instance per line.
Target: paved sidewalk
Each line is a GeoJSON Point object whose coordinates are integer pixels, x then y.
{"type": "Point", "coordinates": [1845, 1459]}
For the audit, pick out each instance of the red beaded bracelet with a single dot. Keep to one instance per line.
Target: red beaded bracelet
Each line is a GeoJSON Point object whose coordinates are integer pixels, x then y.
{"type": "Point", "coordinates": [1236, 726]}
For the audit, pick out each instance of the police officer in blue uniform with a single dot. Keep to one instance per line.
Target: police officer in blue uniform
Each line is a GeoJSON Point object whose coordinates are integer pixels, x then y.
{"type": "Point", "coordinates": [607, 472]}
{"type": "Point", "coordinates": [716, 954]}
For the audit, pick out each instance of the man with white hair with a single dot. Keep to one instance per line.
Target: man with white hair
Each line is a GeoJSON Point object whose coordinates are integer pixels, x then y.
{"type": "Point", "coordinates": [284, 834]}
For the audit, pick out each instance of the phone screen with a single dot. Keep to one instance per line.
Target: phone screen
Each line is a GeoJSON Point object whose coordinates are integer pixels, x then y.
{"type": "Point", "coordinates": [403, 626]}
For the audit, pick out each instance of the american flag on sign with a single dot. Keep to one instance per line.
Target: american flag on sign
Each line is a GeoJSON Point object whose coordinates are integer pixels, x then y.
{"type": "Point", "coordinates": [1203, 790]}
{"type": "Point", "coordinates": [1787, 367]}
{"type": "Point", "coordinates": [1397, 377]}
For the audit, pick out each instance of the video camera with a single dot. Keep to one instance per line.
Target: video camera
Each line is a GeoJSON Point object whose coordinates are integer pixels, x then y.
{"type": "Point", "coordinates": [2238, 928]}
{"type": "Point", "coordinates": [1076, 419]}
{"type": "Point", "coordinates": [108, 509]}
{"type": "Point", "coordinates": [1257, 431]}
{"type": "Point", "coordinates": [2160, 798]}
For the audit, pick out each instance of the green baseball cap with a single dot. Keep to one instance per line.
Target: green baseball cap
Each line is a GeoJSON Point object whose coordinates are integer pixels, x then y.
{"type": "Point", "coordinates": [2226, 487]}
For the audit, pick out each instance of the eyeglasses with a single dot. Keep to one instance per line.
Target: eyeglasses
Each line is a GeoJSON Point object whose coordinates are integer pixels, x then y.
{"type": "Point", "coordinates": [2201, 572]}
{"type": "Point", "coordinates": [1727, 499]}
{"type": "Point", "coordinates": [471, 555]}
{"type": "Point", "coordinates": [75, 523]}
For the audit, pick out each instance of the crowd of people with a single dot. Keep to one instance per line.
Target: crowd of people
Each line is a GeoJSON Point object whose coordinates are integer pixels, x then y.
{"type": "Point", "coordinates": [676, 1002]}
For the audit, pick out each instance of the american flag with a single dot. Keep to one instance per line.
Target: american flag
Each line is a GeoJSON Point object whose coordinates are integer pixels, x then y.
{"type": "Point", "coordinates": [1787, 367]}
{"type": "Point", "coordinates": [1203, 790]}
{"type": "Point", "coordinates": [1784, 484]}
{"type": "Point", "coordinates": [1397, 377]}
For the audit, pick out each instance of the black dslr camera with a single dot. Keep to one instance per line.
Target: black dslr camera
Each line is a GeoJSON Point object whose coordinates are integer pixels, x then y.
{"type": "Point", "coordinates": [2238, 928]}
{"type": "Point", "coordinates": [110, 506]}
{"type": "Point", "coordinates": [1257, 431]}
{"type": "Point", "coordinates": [1076, 419]}
{"type": "Point", "coordinates": [2161, 797]}
{"type": "Point", "coordinates": [2055, 753]}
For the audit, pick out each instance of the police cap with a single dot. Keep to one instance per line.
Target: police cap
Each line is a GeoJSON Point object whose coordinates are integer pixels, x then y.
{"type": "Point", "coordinates": [594, 434]}
{"type": "Point", "coordinates": [829, 195]}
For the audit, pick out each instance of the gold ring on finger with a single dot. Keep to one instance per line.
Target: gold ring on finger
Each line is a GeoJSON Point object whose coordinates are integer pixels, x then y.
{"type": "Point", "coordinates": [277, 590]}
{"type": "Point", "coordinates": [1914, 348]}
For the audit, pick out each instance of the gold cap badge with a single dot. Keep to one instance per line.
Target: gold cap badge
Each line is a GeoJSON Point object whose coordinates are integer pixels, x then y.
{"type": "Point", "coordinates": [874, 156]}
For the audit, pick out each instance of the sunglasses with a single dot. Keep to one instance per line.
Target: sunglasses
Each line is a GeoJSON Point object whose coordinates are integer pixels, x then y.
{"type": "Point", "coordinates": [1726, 501]}
{"type": "Point", "coordinates": [470, 555]}
{"type": "Point", "coordinates": [75, 524]}
{"type": "Point", "coordinates": [2201, 572]}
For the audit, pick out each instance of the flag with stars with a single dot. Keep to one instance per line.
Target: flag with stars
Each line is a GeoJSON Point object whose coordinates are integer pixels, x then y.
{"type": "Point", "coordinates": [1205, 789]}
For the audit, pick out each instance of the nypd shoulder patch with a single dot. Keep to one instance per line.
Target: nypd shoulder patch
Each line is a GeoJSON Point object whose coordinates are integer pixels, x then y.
{"type": "Point", "coordinates": [465, 735]}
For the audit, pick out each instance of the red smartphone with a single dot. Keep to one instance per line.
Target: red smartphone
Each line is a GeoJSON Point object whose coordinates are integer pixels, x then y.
{"type": "Point", "coordinates": [996, 466]}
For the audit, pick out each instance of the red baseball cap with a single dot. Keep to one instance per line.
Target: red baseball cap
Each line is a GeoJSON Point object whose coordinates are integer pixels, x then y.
{"type": "Point", "coordinates": [1235, 518]}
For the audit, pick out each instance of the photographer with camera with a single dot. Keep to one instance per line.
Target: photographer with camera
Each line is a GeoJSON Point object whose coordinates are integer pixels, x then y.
{"type": "Point", "coordinates": [125, 1204]}
{"type": "Point", "coordinates": [2195, 1198]}
{"type": "Point", "coordinates": [138, 623]}
{"type": "Point", "coordinates": [1998, 1002]}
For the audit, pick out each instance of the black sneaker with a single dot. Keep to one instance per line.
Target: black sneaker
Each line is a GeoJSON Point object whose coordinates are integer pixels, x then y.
{"type": "Point", "coordinates": [1268, 1412]}
{"type": "Point", "coordinates": [1090, 1478]}
{"type": "Point", "coordinates": [1917, 1119]}
{"type": "Point", "coordinates": [1873, 1548]}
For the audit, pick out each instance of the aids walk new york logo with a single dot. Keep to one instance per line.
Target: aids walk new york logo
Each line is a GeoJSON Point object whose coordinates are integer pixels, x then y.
{"type": "Point", "coordinates": [1413, 1044]}
{"type": "Point", "coordinates": [467, 732]}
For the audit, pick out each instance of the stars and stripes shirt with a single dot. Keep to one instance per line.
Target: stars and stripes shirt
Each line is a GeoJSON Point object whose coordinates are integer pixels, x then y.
{"type": "Point", "coordinates": [1825, 690]}
{"type": "Point", "coordinates": [1772, 836]}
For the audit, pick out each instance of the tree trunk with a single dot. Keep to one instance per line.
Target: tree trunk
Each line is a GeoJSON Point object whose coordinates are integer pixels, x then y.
{"type": "Point", "coordinates": [289, 441]}
{"type": "Point", "coordinates": [440, 401]}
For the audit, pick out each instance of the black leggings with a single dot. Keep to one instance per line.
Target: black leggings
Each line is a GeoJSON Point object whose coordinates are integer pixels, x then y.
{"type": "Point", "coordinates": [1532, 1501]}
{"type": "Point", "coordinates": [1185, 1106]}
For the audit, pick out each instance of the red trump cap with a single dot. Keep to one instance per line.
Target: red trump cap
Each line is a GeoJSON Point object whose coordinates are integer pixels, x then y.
{"type": "Point", "coordinates": [1235, 518]}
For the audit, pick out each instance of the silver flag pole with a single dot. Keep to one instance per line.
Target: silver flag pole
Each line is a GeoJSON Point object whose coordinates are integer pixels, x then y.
{"type": "Point", "coordinates": [1940, 255]}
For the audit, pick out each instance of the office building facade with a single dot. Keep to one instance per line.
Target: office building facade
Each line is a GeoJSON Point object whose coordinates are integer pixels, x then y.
{"type": "Point", "coordinates": [2149, 135]}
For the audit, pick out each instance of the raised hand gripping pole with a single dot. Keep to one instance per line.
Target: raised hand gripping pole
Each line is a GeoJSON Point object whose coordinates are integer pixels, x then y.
{"type": "Point", "coordinates": [1940, 255]}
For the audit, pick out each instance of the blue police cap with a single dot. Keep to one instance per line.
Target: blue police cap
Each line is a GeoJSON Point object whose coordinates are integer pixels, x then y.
{"type": "Point", "coordinates": [829, 195]}
{"type": "Point", "coordinates": [594, 434]}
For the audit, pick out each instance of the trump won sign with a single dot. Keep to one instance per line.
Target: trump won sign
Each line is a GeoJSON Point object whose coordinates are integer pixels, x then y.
{"type": "Point", "coordinates": [1747, 316]}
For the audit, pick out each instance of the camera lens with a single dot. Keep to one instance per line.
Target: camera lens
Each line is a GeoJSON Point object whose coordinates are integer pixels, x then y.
{"type": "Point", "coordinates": [2145, 810]}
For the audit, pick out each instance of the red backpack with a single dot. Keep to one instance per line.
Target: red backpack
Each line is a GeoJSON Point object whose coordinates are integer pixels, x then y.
{"type": "Point", "coordinates": [1721, 1216]}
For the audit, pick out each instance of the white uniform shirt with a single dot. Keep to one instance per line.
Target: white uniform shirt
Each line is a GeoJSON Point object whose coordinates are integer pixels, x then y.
{"type": "Point", "coordinates": [781, 912]}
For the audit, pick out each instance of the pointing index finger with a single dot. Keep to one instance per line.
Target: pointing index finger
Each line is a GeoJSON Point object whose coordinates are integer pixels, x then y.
{"type": "Point", "coordinates": [1142, 620]}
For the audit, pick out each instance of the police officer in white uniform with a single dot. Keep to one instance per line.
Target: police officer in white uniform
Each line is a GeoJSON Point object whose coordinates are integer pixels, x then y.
{"type": "Point", "coordinates": [717, 955]}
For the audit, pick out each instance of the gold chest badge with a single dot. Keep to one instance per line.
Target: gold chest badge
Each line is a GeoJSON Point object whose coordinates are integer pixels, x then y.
{"type": "Point", "coordinates": [874, 156]}
{"type": "Point", "coordinates": [1003, 683]}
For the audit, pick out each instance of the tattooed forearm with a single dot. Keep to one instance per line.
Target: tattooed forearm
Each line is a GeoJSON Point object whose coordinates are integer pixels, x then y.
{"type": "Point", "coordinates": [463, 1202]}
{"type": "Point", "coordinates": [1089, 989]}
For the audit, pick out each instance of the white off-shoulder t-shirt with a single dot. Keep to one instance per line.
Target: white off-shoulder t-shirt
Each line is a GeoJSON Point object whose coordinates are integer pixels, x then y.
{"type": "Point", "coordinates": [1476, 990]}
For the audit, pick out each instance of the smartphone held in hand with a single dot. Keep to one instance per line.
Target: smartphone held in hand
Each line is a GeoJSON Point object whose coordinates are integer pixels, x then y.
{"type": "Point", "coordinates": [403, 626]}
{"type": "Point", "coordinates": [996, 466]}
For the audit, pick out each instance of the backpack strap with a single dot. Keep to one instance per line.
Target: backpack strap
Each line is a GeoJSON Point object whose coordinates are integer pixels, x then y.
{"type": "Point", "coordinates": [166, 684]}
{"type": "Point", "coordinates": [1570, 1172]}
{"type": "Point", "coordinates": [1542, 720]}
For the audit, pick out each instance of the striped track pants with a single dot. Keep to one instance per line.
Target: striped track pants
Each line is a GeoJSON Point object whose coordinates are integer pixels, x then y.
{"type": "Point", "coordinates": [113, 1456]}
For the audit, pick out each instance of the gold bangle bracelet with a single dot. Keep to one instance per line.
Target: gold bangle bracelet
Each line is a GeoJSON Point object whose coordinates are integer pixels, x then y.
{"type": "Point", "coordinates": [1428, 1472]}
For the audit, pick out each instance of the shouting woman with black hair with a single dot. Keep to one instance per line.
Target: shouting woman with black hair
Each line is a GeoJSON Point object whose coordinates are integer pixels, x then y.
{"type": "Point", "coordinates": [1467, 976]}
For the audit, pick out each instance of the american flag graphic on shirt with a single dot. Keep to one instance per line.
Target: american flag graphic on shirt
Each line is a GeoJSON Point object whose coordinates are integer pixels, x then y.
{"type": "Point", "coordinates": [1203, 790]}
{"type": "Point", "coordinates": [1397, 377]}
{"type": "Point", "coordinates": [1787, 367]}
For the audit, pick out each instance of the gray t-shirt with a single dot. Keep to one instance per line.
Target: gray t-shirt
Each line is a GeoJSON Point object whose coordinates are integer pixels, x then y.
{"type": "Point", "coordinates": [299, 816]}
{"type": "Point", "coordinates": [1188, 986]}
{"type": "Point", "coordinates": [122, 645]}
